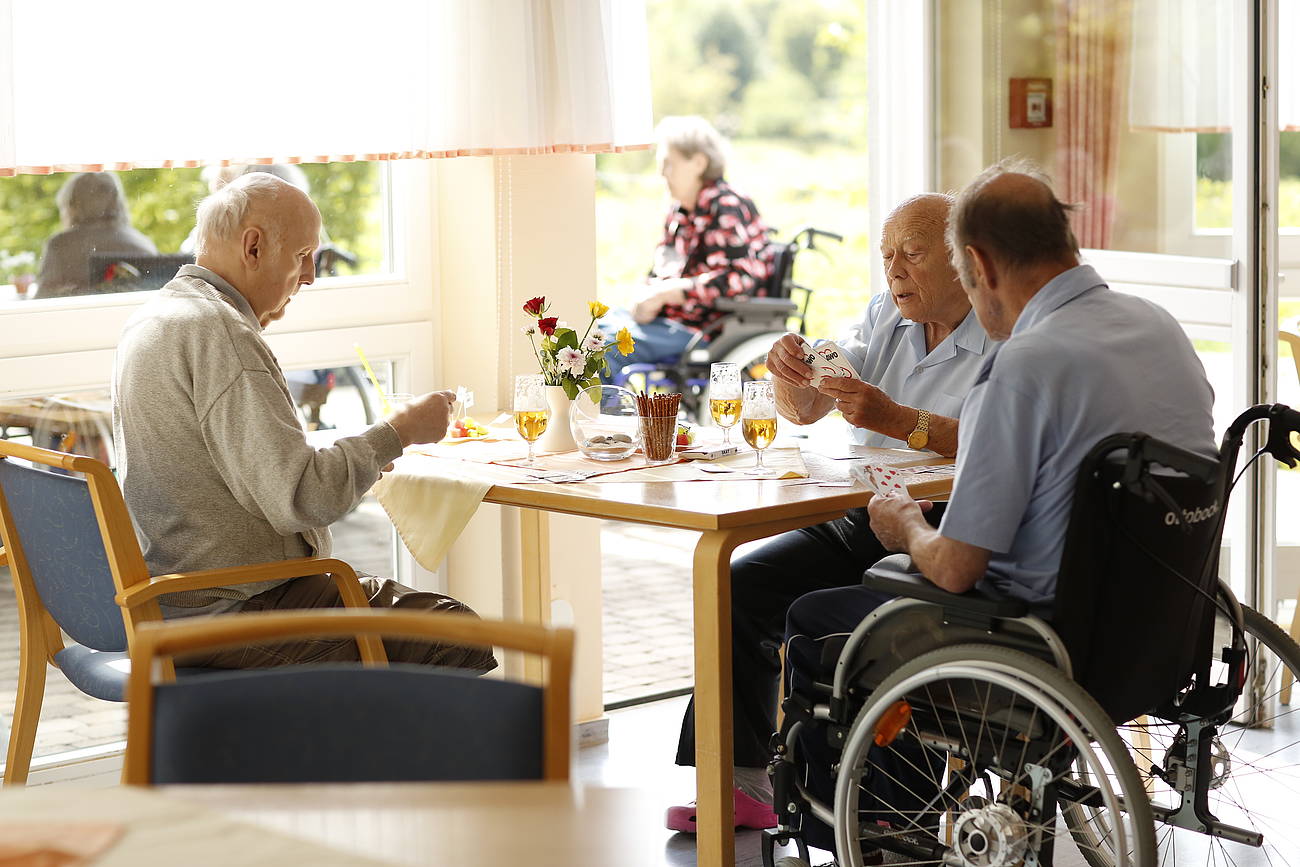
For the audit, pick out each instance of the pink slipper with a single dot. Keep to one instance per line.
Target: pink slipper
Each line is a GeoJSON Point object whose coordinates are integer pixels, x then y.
{"type": "Point", "coordinates": [750, 813]}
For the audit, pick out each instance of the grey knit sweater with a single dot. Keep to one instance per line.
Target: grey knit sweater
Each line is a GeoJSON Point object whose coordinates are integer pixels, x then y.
{"type": "Point", "coordinates": [213, 461]}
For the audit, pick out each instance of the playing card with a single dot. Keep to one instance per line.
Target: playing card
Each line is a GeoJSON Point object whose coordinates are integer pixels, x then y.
{"type": "Point", "coordinates": [827, 360]}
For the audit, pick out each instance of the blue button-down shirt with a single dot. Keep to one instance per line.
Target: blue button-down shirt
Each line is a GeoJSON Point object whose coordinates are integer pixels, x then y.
{"type": "Point", "coordinates": [889, 352]}
{"type": "Point", "coordinates": [1082, 362]}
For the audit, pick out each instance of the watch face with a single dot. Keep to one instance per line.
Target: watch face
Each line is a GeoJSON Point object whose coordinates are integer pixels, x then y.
{"type": "Point", "coordinates": [918, 439]}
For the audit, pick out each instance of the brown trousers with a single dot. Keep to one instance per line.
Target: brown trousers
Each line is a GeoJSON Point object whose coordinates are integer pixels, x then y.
{"type": "Point", "coordinates": [320, 591]}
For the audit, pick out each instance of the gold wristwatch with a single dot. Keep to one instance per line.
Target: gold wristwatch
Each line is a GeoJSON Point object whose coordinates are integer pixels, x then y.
{"type": "Point", "coordinates": [920, 438]}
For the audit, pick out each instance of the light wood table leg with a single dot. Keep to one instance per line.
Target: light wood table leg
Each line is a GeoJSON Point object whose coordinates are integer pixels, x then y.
{"type": "Point", "coordinates": [715, 811]}
{"type": "Point", "coordinates": [535, 557]}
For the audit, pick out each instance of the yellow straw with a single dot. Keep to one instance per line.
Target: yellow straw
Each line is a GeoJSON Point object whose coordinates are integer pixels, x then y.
{"type": "Point", "coordinates": [374, 380]}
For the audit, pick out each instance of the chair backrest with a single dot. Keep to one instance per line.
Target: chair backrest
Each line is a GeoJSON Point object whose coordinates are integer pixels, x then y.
{"type": "Point", "coordinates": [1139, 570]}
{"type": "Point", "coordinates": [1293, 341]}
{"type": "Point", "coordinates": [780, 278]}
{"type": "Point", "coordinates": [70, 543]}
{"type": "Point", "coordinates": [133, 272]}
{"type": "Point", "coordinates": [346, 722]}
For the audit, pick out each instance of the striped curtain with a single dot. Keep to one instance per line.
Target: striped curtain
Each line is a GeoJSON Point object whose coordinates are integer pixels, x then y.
{"type": "Point", "coordinates": [1091, 62]}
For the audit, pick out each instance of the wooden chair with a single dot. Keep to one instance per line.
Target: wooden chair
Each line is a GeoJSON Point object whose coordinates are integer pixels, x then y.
{"type": "Point", "coordinates": [77, 568]}
{"type": "Point", "coordinates": [345, 723]}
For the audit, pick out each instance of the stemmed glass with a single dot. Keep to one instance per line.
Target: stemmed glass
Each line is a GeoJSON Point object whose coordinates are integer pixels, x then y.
{"type": "Point", "coordinates": [530, 409]}
{"type": "Point", "coordinates": [724, 396]}
{"type": "Point", "coordinates": [758, 422]}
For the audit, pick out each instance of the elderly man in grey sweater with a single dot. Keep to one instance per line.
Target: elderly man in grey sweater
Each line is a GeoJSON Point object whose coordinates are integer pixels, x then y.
{"type": "Point", "coordinates": [214, 464]}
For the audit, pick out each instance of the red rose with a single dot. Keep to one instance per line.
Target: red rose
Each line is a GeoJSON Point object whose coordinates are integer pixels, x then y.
{"type": "Point", "coordinates": [547, 325]}
{"type": "Point", "coordinates": [535, 306]}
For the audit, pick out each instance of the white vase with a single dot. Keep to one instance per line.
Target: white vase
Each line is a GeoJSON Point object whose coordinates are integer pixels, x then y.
{"type": "Point", "coordinates": [558, 437]}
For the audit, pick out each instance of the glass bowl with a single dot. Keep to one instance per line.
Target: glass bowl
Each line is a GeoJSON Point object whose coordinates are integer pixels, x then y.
{"type": "Point", "coordinates": [603, 420]}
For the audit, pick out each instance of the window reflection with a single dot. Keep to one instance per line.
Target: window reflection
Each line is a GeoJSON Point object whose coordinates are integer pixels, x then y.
{"type": "Point", "coordinates": [90, 233]}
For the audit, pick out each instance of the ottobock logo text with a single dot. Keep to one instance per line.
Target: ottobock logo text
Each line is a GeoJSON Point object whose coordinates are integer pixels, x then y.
{"type": "Point", "coordinates": [1193, 516]}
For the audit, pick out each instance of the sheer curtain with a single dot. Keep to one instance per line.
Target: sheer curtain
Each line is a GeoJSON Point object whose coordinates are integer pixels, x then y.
{"type": "Point", "coordinates": [1182, 66]}
{"type": "Point", "coordinates": [86, 85]}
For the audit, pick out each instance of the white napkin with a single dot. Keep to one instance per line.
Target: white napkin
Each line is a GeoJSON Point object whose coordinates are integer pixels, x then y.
{"type": "Point", "coordinates": [429, 503]}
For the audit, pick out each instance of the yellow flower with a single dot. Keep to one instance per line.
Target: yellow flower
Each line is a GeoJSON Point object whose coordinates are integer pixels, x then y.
{"type": "Point", "coordinates": [625, 342]}
{"type": "Point", "coordinates": [597, 309]}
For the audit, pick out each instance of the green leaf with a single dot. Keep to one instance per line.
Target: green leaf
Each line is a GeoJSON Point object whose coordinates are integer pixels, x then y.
{"type": "Point", "coordinates": [566, 337]}
{"type": "Point", "coordinates": [570, 387]}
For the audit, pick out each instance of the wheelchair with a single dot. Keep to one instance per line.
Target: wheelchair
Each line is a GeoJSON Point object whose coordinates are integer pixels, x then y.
{"type": "Point", "coordinates": [744, 335]}
{"type": "Point", "coordinates": [1143, 717]}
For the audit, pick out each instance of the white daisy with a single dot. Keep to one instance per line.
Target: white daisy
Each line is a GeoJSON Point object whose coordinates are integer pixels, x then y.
{"type": "Point", "coordinates": [571, 360]}
{"type": "Point", "coordinates": [595, 341]}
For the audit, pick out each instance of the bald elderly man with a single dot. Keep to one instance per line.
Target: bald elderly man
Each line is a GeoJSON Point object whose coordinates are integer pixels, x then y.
{"type": "Point", "coordinates": [918, 350]}
{"type": "Point", "coordinates": [214, 464]}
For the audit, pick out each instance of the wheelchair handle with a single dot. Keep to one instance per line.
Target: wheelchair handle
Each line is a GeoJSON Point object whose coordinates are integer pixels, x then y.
{"type": "Point", "coordinates": [1282, 422]}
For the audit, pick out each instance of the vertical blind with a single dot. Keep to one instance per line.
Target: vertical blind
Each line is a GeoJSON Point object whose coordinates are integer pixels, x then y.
{"type": "Point", "coordinates": [87, 85]}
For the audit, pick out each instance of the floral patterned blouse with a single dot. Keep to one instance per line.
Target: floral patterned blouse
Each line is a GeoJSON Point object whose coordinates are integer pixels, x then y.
{"type": "Point", "coordinates": [723, 244]}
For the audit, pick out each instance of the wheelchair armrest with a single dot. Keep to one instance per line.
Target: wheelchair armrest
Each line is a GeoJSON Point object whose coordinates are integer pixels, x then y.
{"type": "Point", "coordinates": [761, 306]}
{"type": "Point", "coordinates": [972, 604]}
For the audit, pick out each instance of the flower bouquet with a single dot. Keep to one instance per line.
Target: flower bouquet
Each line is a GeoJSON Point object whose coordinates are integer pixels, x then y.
{"type": "Point", "coordinates": [568, 360]}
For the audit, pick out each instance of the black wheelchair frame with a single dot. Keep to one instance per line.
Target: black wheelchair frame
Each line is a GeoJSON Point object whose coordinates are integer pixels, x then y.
{"type": "Point", "coordinates": [744, 334]}
{"type": "Point", "coordinates": [1100, 624]}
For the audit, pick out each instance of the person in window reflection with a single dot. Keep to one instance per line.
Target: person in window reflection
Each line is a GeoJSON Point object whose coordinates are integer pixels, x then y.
{"type": "Point", "coordinates": [715, 246]}
{"type": "Point", "coordinates": [92, 206]}
{"type": "Point", "coordinates": [215, 467]}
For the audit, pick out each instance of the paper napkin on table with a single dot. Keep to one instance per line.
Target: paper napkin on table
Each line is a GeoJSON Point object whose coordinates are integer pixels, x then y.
{"type": "Point", "coordinates": [55, 844]}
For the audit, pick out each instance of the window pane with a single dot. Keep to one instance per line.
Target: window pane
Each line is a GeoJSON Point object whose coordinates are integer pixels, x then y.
{"type": "Point", "coordinates": [74, 234]}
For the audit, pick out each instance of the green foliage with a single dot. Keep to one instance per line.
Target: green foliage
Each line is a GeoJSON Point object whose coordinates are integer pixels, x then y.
{"type": "Point", "coordinates": [162, 203]}
{"type": "Point", "coordinates": [1214, 203]}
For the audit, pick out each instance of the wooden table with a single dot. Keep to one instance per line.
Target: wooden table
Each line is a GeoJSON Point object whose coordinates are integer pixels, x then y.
{"type": "Point", "coordinates": [401, 823]}
{"type": "Point", "coordinates": [725, 514]}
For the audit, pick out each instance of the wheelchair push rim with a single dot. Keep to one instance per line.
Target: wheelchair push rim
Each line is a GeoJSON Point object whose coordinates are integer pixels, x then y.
{"type": "Point", "coordinates": [987, 794]}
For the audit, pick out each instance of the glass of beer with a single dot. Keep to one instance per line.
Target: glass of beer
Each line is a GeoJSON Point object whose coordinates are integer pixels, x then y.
{"type": "Point", "coordinates": [758, 422]}
{"type": "Point", "coordinates": [724, 396]}
{"type": "Point", "coordinates": [530, 409]}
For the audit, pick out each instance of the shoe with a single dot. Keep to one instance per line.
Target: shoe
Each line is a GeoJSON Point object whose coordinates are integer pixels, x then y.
{"type": "Point", "coordinates": [750, 813]}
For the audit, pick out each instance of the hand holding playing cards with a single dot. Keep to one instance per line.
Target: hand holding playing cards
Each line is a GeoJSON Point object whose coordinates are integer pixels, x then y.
{"type": "Point", "coordinates": [862, 404]}
{"type": "Point", "coordinates": [892, 515]}
{"type": "Point", "coordinates": [785, 361]}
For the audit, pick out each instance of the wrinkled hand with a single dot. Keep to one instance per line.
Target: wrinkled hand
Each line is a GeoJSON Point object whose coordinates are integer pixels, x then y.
{"type": "Point", "coordinates": [424, 419]}
{"type": "Point", "coordinates": [890, 516]}
{"type": "Point", "coordinates": [785, 362]}
{"type": "Point", "coordinates": [860, 403]}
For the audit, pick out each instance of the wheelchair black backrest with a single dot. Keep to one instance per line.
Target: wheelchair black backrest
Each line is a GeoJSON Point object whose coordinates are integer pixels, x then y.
{"type": "Point", "coordinates": [1139, 571]}
{"type": "Point", "coordinates": [780, 280]}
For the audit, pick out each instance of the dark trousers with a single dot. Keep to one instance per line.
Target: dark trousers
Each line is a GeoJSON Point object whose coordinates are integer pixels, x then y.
{"type": "Point", "coordinates": [902, 777]}
{"type": "Point", "coordinates": [320, 591]}
{"type": "Point", "coordinates": [764, 584]}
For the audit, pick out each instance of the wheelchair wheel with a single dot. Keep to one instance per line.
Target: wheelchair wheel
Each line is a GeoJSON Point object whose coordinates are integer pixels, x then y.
{"type": "Point", "coordinates": [751, 355]}
{"type": "Point", "coordinates": [1256, 765]}
{"type": "Point", "coordinates": [961, 755]}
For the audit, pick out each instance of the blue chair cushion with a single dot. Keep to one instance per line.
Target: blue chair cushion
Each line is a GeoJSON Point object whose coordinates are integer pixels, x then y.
{"type": "Point", "coordinates": [103, 674]}
{"type": "Point", "coordinates": [60, 537]}
{"type": "Point", "coordinates": [343, 723]}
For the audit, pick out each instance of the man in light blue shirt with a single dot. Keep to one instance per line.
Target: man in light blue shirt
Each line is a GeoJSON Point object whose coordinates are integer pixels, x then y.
{"type": "Point", "coordinates": [1079, 362]}
{"type": "Point", "coordinates": [918, 351]}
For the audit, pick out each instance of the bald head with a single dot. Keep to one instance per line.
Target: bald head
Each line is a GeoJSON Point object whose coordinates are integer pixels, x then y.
{"type": "Point", "coordinates": [259, 233]}
{"type": "Point", "coordinates": [927, 212]}
{"type": "Point", "coordinates": [1010, 214]}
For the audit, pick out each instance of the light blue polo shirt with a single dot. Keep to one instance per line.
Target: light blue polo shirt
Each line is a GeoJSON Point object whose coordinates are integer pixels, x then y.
{"type": "Point", "coordinates": [889, 352]}
{"type": "Point", "coordinates": [1082, 362]}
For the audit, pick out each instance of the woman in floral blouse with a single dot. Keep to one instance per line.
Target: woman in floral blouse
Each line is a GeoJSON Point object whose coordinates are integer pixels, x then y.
{"type": "Point", "coordinates": [715, 246]}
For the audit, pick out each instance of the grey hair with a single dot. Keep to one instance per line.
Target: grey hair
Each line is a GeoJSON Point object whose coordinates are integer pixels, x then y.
{"type": "Point", "coordinates": [690, 135]}
{"type": "Point", "coordinates": [223, 213]}
{"type": "Point", "coordinates": [1014, 230]}
{"type": "Point", "coordinates": [90, 197]}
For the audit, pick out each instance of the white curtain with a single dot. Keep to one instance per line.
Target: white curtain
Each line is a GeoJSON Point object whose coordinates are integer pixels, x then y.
{"type": "Point", "coordinates": [1181, 68]}
{"type": "Point", "coordinates": [86, 84]}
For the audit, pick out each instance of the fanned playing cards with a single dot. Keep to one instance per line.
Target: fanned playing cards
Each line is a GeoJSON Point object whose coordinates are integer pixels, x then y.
{"type": "Point", "coordinates": [827, 360]}
{"type": "Point", "coordinates": [914, 474]}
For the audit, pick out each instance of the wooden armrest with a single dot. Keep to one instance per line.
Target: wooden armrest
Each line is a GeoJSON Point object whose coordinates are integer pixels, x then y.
{"type": "Point", "coordinates": [148, 591]}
